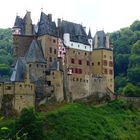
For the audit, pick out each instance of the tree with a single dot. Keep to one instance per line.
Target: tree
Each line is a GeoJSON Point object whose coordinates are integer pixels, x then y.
{"type": "Point", "coordinates": [136, 48]}
{"type": "Point", "coordinates": [121, 64]}
{"type": "Point", "coordinates": [30, 123]}
{"type": "Point", "coordinates": [131, 90]}
{"type": "Point", "coordinates": [134, 75]}
{"type": "Point", "coordinates": [135, 26]}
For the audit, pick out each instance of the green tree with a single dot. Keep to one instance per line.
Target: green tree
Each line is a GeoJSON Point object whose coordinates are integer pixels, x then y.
{"type": "Point", "coordinates": [131, 90]}
{"type": "Point", "coordinates": [135, 26]}
{"type": "Point", "coordinates": [134, 75]}
{"type": "Point", "coordinates": [136, 48]}
{"type": "Point", "coordinates": [30, 123]}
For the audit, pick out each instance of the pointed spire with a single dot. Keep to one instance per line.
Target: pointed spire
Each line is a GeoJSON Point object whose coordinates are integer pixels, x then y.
{"type": "Point", "coordinates": [89, 34]}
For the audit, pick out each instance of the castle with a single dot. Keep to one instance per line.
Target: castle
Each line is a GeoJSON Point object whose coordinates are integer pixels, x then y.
{"type": "Point", "coordinates": [55, 63]}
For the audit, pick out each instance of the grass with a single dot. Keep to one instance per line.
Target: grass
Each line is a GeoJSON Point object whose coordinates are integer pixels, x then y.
{"type": "Point", "coordinates": [114, 121]}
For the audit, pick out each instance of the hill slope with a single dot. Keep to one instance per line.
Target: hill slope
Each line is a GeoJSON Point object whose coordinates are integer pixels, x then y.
{"type": "Point", "coordinates": [116, 120]}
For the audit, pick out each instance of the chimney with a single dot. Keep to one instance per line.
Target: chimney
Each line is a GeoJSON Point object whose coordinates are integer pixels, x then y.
{"type": "Point", "coordinates": [58, 22]}
{"type": "Point", "coordinates": [50, 17]}
{"type": "Point", "coordinates": [58, 26]}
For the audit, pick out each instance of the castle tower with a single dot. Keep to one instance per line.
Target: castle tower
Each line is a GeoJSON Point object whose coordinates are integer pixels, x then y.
{"type": "Point", "coordinates": [47, 35]}
{"type": "Point", "coordinates": [23, 34]}
{"type": "Point", "coordinates": [102, 57]}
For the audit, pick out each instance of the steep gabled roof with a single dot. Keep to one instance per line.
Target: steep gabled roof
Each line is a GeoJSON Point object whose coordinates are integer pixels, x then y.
{"type": "Point", "coordinates": [46, 26]}
{"type": "Point", "coordinates": [76, 31]}
{"type": "Point", "coordinates": [19, 70]}
{"type": "Point", "coordinates": [18, 22]}
{"type": "Point", "coordinates": [21, 23]}
{"type": "Point", "coordinates": [101, 33]}
{"type": "Point", "coordinates": [35, 53]}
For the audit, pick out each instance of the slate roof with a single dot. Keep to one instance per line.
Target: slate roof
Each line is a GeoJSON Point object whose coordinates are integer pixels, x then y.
{"type": "Point", "coordinates": [54, 65]}
{"type": "Point", "coordinates": [35, 53]}
{"type": "Point", "coordinates": [19, 70]}
{"type": "Point", "coordinates": [21, 23]}
{"type": "Point", "coordinates": [101, 36]}
{"type": "Point", "coordinates": [89, 34]}
{"type": "Point", "coordinates": [18, 22]}
{"type": "Point", "coordinates": [45, 26]}
{"type": "Point", "coordinates": [76, 31]}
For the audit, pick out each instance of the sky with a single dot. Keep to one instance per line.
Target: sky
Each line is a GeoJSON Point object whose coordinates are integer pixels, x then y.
{"type": "Point", "coordinates": [110, 15]}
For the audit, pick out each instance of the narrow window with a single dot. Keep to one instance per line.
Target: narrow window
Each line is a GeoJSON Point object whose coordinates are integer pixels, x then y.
{"type": "Point", "coordinates": [110, 72]}
{"type": "Point", "coordinates": [49, 83]}
{"type": "Point", "coordinates": [72, 70]}
{"type": "Point", "coordinates": [80, 62]}
{"type": "Point", "coordinates": [54, 41]}
{"type": "Point", "coordinates": [110, 63]}
{"type": "Point", "coordinates": [105, 71]}
{"type": "Point", "coordinates": [72, 60]}
{"type": "Point", "coordinates": [50, 50]}
{"type": "Point", "coordinates": [76, 70]}
{"type": "Point", "coordinates": [105, 62]}
{"type": "Point", "coordinates": [98, 63]}
{"type": "Point", "coordinates": [87, 63]}
{"type": "Point", "coordinates": [54, 51]}
{"type": "Point", "coordinates": [80, 71]}
{"type": "Point", "coordinates": [50, 59]}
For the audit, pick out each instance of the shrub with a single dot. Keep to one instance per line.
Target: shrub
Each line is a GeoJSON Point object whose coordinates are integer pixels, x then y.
{"type": "Point", "coordinates": [30, 123]}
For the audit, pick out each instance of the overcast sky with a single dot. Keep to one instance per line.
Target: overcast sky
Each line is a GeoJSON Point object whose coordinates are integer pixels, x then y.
{"type": "Point", "coordinates": [110, 15]}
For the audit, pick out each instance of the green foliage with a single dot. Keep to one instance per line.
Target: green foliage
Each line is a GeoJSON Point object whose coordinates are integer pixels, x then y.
{"type": "Point", "coordinates": [116, 120]}
{"type": "Point", "coordinates": [4, 69]}
{"type": "Point", "coordinates": [120, 82]}
{"type": "Point", "coordinates": [136, 48]}
{"type": "Point", "coordinates": [126, 44]}
{"type": "Point", "coordinates": [30, 123]}
{"type": "Point", "coordinates": [130, 90]}
{"type": "Point", "coordinates": [134, 75]}
{"type": "Point", "coordinates": [121, 63]}
{"type": "Point", "coordinates": [6, 47]}
{"type": "Point", "coordinates": [134, 60]}
{"type": "Point", "coordinates": [113, 121]}
{"type": "Point", "coordinates": [135, 26]}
